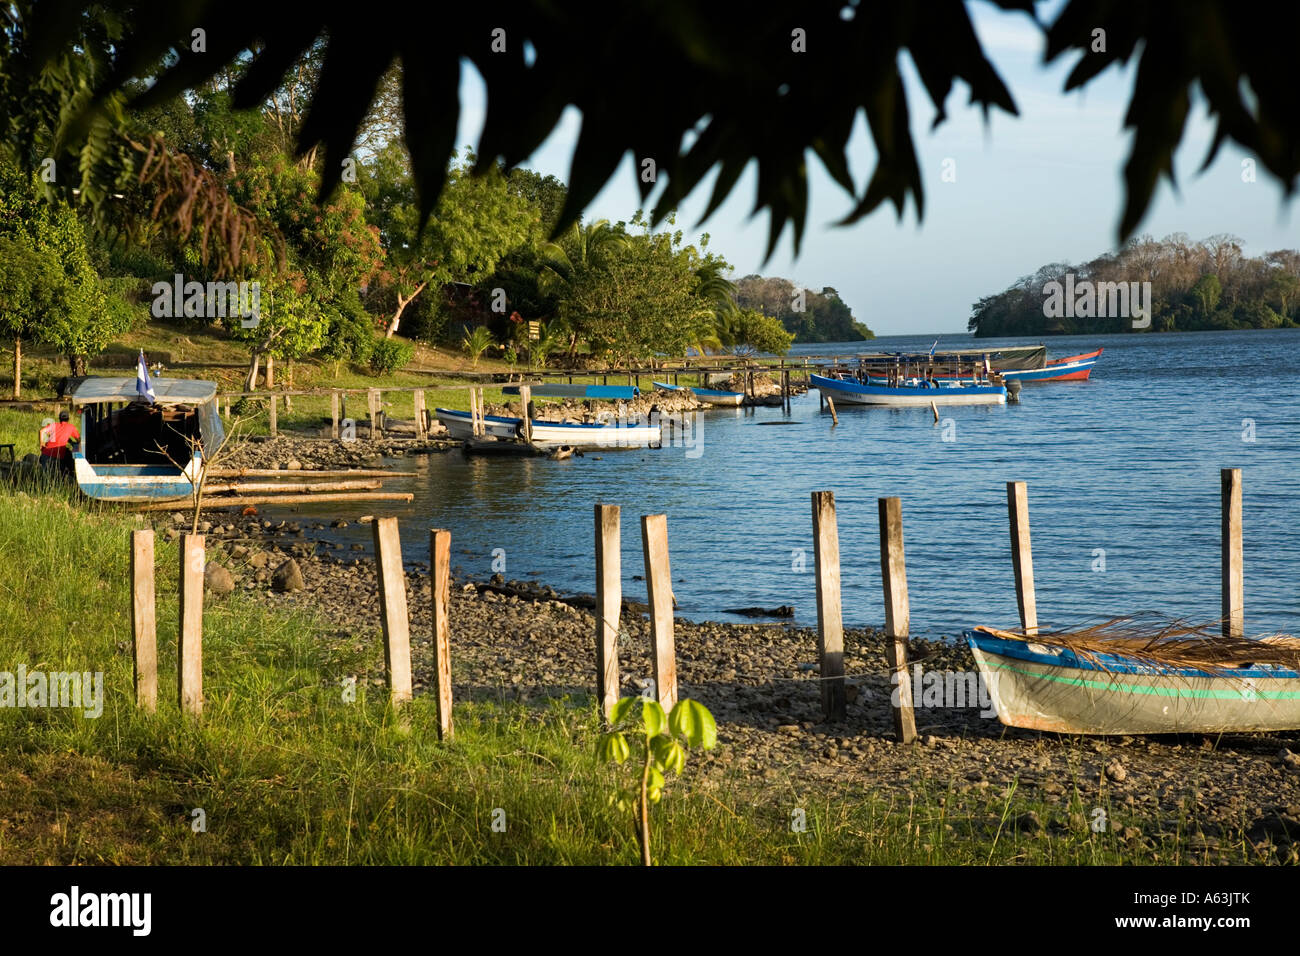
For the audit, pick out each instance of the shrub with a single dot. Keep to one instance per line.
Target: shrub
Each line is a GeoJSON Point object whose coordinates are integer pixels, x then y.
{"type": "Point", "coordinates": [388, 355]}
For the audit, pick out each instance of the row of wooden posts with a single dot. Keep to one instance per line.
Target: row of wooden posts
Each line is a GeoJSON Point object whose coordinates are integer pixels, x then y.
{"type": "Point", "coordinates": [609, 602]}
{"type": "Point", "coordinates": [423, 419]}
{"type": "Point", "coordinates": [394, 619]}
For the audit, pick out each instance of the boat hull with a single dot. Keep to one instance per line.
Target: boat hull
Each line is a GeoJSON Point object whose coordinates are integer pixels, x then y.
{"type": "Point", "coordinates": [709, 396]}
{"type": "Point", "coordinates": [1074, 368]}
{"type": "Point", "coordinates": [845, 392]}
{"type": "Point", "coordinates": [134, 483]}
{"type": "Point", "coordinates": [1041, 687]}
{"type": "Point", "coordinates": [552, 434]}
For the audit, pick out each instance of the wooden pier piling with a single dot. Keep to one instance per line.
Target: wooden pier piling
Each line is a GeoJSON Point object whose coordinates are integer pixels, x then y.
{"type": "Point", "coordinates": [334, 415]}
{"type": "Point", "coordinates": [1022, 556]}
{"type": "Point", "coordinates": [392, 605]}
{"type": "Point", "coordinates": [274, 406]}
{"type": "Point", "coordinates": [189, 648]}
{"type": "Point", "coordinates": [144, 627]}
{"type": "Point", "coordinates": [893, 576]}
{"type": "Point", "coordinates": [1234, 590]}
{"type": "Point", "coordinates": [609, 604]}
{"type": "Point", "coordinates": [440, 574]}
{"type": "Point", "coordinates": [659, 588]}
{"type": "Point", "coordinates": [830, 623]}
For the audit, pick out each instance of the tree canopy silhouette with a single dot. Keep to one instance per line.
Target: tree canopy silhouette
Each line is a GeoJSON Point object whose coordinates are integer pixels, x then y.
{"type": "Point", "coordinates": [691, 87]}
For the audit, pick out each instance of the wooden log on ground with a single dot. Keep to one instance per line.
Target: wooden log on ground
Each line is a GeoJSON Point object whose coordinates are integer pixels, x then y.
{"type": "Point", "coordinates": [278, 487]}
{"type": "Point", "coordinates": [144, 628]}
{"type": "Point", "coordinates": [609, 602]}
{"type": "Point", "coordinates": [893, 576]}
{"type": "Point", "coordinates": [240, 501]}
{"type": "Point", "coordinates": [830, 623]}
{"type": "Point", "coordinates": [659, 587]}
{"type": "Point", "coordinates": [440, 572]}
{"type": "Point", "coordinates": [393, 614]}
{"type": "Point", "coordinates": [1233, 580]}
{"type": "Point", "coordinates": [1022, 556]}
{"type": "Point", "coordinates": [189, 649]}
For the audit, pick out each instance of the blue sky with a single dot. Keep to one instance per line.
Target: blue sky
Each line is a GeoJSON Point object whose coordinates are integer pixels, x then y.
{"type": "Point", "coordinates": [1042, 187]}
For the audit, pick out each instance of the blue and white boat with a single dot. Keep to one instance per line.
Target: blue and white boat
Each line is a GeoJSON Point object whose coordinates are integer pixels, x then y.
{"type": "Point", "coordinates": [709, 396]}
{"type": "Point", "coordinates": [135, 450]}
{"type": "Point", "coordinates": [1042, 685]}
{"type": "Point", "coordinates": [848, 391]}
{"type": "Point", "coordinates": [550, 434]}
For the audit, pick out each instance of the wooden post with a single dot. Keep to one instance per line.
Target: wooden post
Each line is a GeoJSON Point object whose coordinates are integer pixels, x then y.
{"type": "Point", "coordinates": [372, 403]}
{"type": "Point", "coordinates": [440, 569]}
{"type": "Point", "coordinates": [893, 576]}
{"type": "Point", "coordinates": [274, 403]}
{"type": "Point", "coordinates": [609, 602]}
{"type": "Point", "coordinates": [417, 400]}
{"type": "Point", "coordinates": [144, 629]}
{"type": "Point", "coordinates": [1022, 557]}
{"type": "Point", "coordinates": [525, 398]}
{"type": "Point", "coordinates": [830, 623]}
{"type": "Point", "coordinates": [1234, 590]}
{"type": "Point", "coordinates": [830, 403]}
{"type": "Point", "coordinates": [189, 649]}
{"type": "Point", "coordinates": [659, 587]}
{"type": "Point", "coordinates": [334, 415]}
{"type": "Point", "coordinates": [392, 609]}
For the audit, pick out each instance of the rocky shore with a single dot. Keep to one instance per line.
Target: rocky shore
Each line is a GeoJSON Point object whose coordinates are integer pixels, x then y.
{"type": "Point", "coordinates": [524, 641]}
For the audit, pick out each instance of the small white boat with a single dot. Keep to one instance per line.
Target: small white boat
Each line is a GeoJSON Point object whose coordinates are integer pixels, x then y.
{"type": "Point", "coordinates": [548, 434]}
{"type": "Point", "coordinates": [847, 391]}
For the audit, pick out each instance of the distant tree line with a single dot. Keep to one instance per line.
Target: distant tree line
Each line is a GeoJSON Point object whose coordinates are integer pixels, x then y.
{"type": "Point", "coordinates": [807, 315]}
{"type": "Point", "coordinates": [1195, 286]}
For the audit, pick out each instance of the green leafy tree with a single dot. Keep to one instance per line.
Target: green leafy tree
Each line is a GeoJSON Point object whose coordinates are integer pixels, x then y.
{"type": "Point", "coordinates": [31, 288]}
{"type": "Point", "coordinates": [82, 324]}
{"type": "Point", "coordinates": [477, 221]}
{"type": "Point", "coordinates": [660, 743]}
{"type": "Point", "coordinates": [641, 300]}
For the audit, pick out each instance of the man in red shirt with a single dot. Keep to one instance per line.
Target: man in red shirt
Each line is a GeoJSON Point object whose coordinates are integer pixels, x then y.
{"type": "Point", "coordinates": [54, 442]}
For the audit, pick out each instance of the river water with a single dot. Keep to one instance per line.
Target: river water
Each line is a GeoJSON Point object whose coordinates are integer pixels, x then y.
{"type": "Point", "coordinates": [1123, 475]}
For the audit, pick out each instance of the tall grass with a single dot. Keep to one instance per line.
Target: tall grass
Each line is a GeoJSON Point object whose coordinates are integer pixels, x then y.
{"type": "Point", "coordinates": [285, 769]}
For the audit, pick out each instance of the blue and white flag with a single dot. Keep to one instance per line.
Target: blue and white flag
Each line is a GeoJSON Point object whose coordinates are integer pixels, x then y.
{"type": "Point", "coordinates": [142, 386]}
{"type": "Point", "coordinates": [933, 347]}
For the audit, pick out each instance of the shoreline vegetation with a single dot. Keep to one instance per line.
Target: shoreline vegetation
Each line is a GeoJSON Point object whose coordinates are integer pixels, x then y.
{"type": "Point", "coordinates": [287, 770]}
{"type": "Point", "coordinates": [1210, 285]}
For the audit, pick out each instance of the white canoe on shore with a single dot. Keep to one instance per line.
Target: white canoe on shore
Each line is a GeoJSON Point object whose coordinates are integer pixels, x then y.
{"type": "Point", "coordinates": [549, 434]}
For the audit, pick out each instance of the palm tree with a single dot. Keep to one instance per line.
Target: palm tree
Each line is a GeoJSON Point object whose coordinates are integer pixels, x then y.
{"type": "Point", "coordinates": [581, 249]}
{"type": "Point", "coordinates": [717, 294]}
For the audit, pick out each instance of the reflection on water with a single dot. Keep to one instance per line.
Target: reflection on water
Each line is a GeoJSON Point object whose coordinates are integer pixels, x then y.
{"type": "Point", "coordinates": [1123, 476]}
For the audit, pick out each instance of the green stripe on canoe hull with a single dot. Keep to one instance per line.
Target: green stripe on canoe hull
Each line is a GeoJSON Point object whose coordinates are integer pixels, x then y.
{"type": "Point", "coordinates": [1070, 700]}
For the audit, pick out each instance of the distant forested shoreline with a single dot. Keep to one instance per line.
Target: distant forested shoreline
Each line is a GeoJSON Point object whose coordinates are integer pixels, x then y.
{"type": "Point", "coordinates": [1194, 286]}
{"type": "Point", "coordinates": [807, 315]}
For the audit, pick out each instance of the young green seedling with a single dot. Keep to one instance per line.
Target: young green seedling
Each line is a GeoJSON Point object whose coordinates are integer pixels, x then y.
{"type": "Point", "coordinates": [663, 741]}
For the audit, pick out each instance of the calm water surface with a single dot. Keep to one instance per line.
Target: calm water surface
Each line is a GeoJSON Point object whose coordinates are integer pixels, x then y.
{"type": "Point", "coordinates": [1124, 467]}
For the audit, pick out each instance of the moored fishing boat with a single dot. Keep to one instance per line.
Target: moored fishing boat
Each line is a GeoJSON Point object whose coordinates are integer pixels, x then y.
{"type": "Point", "coordinates": [709, 396]}
{"type": "Point", "coordinates": [550, 434]}
{"type": "Point", "coordinates": [1041, 683]}
{"type": "Point", "coordinates": [1071, 368]}
{"type": "Point", "coordinates": [848, 391]}
{"type": "Point", "coordinates": [136, 450]}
